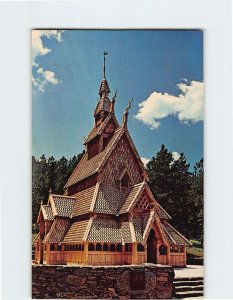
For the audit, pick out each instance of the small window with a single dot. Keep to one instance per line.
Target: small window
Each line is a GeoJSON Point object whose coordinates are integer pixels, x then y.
{"type": "Point", "coordinates": [119, 248]}
{"type": "Point", "coordinates": [162, 250]}
{"type": "Point", "coordinates": [140, 248]}
{"type": "Point", "coordinates": [112, 247]}
{"type": "Point", "coordinates": [128, 247]}
{"type": "Point", "coordinates": [105, 247]}
{"type": "Point", "coordinates": [98, 247]}
{"type": "Point", "coordinates": [91, 247]}
{"type": "Point", "coordinates": [52, 248]}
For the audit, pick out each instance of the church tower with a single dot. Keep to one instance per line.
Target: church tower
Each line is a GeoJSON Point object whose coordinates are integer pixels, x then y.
{"type": "Point", "coordinates": [108, 214]}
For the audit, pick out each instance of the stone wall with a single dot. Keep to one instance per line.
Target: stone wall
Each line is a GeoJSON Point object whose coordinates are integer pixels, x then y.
{"type": "Point", "coordinates": [114, 282]}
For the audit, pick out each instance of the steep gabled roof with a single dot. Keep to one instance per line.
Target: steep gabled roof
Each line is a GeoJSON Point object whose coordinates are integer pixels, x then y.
{"type": "Point", "coordinates": [57, 231]}
{"type": "Point", "coordinates": [88, 167]}
{"type": "Point", "coordinates": [47, 212]}
{"type": "Point", "coordinates": [173, 235]}
{"type": "Point", "coordinates": [62, 206]}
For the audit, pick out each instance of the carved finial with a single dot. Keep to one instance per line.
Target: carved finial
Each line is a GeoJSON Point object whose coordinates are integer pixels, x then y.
{"type": "Point", "coordinates": [126, 112]}
{"type": "Point", "coordinates": [105, 53]}
{"type": "Point", "coordinates": [113, 102]}
{"type": "Point", "coordinates": [50, 191]}
{"type": "Point", "coordinates": [129, 106]}
{"type": "Point", "coordinates": [41, 202]}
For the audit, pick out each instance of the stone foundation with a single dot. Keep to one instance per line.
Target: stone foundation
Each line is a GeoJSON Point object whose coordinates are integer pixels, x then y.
{"type": "Point", "coordinates": [113, 282]}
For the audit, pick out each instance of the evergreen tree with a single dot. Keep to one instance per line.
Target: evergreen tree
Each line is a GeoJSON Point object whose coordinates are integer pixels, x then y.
{"type": "Point", "coordinates": [160, 174]}
{"type": "Point", "coordinates": [196, 199]}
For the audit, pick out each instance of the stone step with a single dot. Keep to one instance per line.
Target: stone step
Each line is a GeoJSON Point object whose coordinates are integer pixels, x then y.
{"type": "Point", "coordinates": [183, 295]}
{"type": "Point", "coordinates": [189, 288]}
{"type": "Point", "coordinates": [188, 278]}
{"type": "Point", "coordinates": [188, 283]}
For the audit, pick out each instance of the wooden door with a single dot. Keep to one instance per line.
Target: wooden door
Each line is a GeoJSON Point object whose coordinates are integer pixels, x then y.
{"type": "Point", "coordinates": [152, 247]}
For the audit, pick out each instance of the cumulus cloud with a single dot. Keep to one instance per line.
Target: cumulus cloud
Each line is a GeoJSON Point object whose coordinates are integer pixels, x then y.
{"type": "Point", "coordinates": [49, 76]}
{"type": "Point", "coordinates": [187, 106]}
{"type": "Point", "coordinates": [145, 161]}
{"type": "Point", "coordinates": [43, 77]}
{"type": "Point", "coordinates": [38, 48]}
{"type": "Point", "coordinates": [175, 155]}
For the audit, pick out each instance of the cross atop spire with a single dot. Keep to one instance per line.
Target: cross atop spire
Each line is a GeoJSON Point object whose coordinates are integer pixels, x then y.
{"type": "Point", "coordinates": [105, 53]}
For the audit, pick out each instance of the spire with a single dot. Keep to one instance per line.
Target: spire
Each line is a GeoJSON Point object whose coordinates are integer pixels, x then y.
{"type": "Point", "coordinates": [105, 53]}
{"type": "Point", "coordinates": [104, 104]}
{"type": "Point", "coordinates": [126, 113]}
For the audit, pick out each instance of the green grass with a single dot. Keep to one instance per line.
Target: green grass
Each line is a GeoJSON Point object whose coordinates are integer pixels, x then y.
{"type": "Point", "coordinates": [195, 253]}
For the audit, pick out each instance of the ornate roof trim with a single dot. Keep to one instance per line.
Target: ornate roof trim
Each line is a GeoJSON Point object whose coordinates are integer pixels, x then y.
{"type": "Point", "coordinates": [88, 229]}
{"type": "Point", "coordinates": [131, 226]}
{"type": "Point", "coordinates": [92, 207]}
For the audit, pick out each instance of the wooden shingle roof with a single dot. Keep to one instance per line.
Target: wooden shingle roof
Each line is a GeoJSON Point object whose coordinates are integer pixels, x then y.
{"type": "Point", "coordinates": [109, 230]}
{"type": "Point", "coordinates": [76, 232]}
{"type": "Point", "coordinates": [57, 231]}
{"type": "Point", "coordinates": [83, 201]}
{"type": "Point", "coordinates": [47, 212]}
{"type": "Point", "coordinates": [62, 206]}
{"type": "Point", "coordinates": [173, 235]}
{"type": "Point", "coordinates": [88, 167]}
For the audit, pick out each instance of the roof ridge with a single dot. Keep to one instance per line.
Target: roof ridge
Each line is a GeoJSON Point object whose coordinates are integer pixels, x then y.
{"type": "Point", "coordinates": [62, 196]}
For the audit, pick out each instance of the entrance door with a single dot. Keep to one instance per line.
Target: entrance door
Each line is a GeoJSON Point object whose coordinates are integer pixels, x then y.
{"type": "Point", "coordinates": [151, 247]}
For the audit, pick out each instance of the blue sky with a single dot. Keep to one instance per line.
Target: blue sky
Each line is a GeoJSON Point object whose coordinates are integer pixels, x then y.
{"type": "Point", "coordinates": [161, 70]}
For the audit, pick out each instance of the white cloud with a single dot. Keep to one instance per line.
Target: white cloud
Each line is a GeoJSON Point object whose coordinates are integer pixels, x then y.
{"type": "Point", "coordinates": [49, 76]}
{"type": "Point", "coordinates": [38, 49]}
{"type": "Point", "coordinates": [187, 106]}
{"type": "Point", "coordinates": [145, 161]}
{"type": "Point", "coordinates": [175, 155]}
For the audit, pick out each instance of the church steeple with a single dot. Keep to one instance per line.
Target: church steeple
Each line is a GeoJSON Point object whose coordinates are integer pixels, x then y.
{"type": "Point", "coordinates": [103, 106]}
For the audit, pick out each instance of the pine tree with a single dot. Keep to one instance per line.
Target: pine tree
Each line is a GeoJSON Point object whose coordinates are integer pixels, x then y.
{"type": "Point", "coordinates": [160, 174]}
{"type": "Point", "coordinates": [197, 201]}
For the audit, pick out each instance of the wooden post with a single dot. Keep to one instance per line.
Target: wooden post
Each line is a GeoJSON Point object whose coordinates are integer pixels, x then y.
{"type": "Point", "coordinates": [62, 253]}
{"type": "Point", "coordinates": [157, 254]}
{"type": "Point", "coordinates": [168, 255]}
{"type": "Point", "coordinates": [123, 253]}
{"type": "Point", "coordinates": [47, 253]}
{"type": "Point", "coordinates": [134, 253]}
{"type": "Point", "coordinates": [145, 247]}
{"type": "Point", "coordinates": [85, 253]}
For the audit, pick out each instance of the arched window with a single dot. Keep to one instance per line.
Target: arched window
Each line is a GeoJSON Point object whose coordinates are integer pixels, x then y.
{"type": "Point", "coordinates": [119, 248]}
{"type": "Point", "coordinates": [128, 247]}
{"type": "Point", "coordinates": [59, 247]}
{"type": "Point", "coordinates": [140, 248]}
{"type": "Point", "coordinates": [98, 247]}
{"type": "Point", "coordinates": [112, 247]}
{"type": "Point", "coordinates": [162, 250]}
{"type": "Point", "coordinates": [91, 247]}
{"type": "Point", "coordinates": [105, 247]}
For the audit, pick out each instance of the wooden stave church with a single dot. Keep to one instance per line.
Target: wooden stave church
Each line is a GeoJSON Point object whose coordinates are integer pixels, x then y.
{"type": "Point", "coordinates": [107, 214]}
